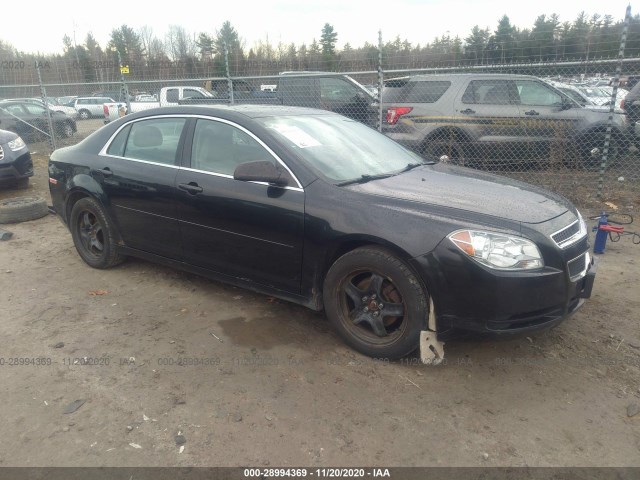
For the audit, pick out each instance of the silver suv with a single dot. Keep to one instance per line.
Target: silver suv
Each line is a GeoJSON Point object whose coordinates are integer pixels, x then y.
{"type": "Point", "coordinates": [478, 118]}
{"type": "Point", "coordinates": [88, 107]}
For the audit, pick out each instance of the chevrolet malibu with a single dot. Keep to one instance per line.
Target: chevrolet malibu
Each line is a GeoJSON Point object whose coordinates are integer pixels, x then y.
{"type": "Point", "coordinates": [320, 210]}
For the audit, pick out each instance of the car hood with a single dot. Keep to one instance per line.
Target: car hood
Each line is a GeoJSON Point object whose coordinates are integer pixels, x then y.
{"type": "Point", "coordinates": [472, 191]}
{"type": "Point", "coordinates": [7, 136]}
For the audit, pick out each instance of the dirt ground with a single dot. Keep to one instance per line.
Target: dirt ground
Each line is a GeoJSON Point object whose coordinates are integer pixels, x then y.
{"type": "Point", "coordinates": [265, 382]}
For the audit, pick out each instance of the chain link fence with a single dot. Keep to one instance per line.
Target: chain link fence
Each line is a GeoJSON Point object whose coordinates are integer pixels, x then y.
{"type": "Point", "coordinates": [564, 125]}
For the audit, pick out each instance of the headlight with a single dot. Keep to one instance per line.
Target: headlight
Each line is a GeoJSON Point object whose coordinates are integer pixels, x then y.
{"type": "Point", "coordinates": [583, 226]}
{"type": "Point", "coordinates": [16, 144]}
{"type": "Point", "coordinates": [498, 251]}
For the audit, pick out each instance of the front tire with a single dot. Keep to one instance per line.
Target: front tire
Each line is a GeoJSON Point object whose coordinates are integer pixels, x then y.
{"type": "Point", "coordinates": [376, 303]}
{"type": "Point", "coordinates": [596, 142]}
{"type": "Point", "coordinates": [67, 130]}
{"type": "Point", "coordinates": [84, 114]}
{"type": "Point", "coordinates": [93, 234]}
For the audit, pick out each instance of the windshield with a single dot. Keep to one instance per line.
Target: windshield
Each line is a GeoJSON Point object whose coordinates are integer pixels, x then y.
{"type": "Point", "coordinates": [341, 149]}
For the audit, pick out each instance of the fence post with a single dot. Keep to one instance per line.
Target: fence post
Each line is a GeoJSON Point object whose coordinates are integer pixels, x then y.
{"type": "Point", "coordinates": [124, 87]}
{"type": "Point", "coordinates": [612, 107]}
{"type": "Point", "coordinates": [380, 80]}
{"type": "Point", "coordinates": [43, 93]}
{"type": "Point", "coordinates": [229, 81]}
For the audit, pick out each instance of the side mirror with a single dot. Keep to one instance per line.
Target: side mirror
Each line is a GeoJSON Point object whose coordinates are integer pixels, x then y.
{"type": "Point", "coordinates": [261, 171]}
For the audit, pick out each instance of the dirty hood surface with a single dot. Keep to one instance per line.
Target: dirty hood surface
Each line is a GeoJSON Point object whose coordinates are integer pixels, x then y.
{"type": "Point", "coordinates": [470, 190]}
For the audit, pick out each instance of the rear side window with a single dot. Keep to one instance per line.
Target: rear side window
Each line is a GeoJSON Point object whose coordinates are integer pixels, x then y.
{"type": "Point", "coordinates": [424, 91]}
{"type": "Point", "coordinates": [155, 140]}
{"type": "Point", "coordinates": [117, 146]}
{"type": "Point", "coordinates": [491, 92]}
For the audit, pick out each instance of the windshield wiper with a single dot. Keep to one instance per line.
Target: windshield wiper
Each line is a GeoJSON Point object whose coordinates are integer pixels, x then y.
{"type": "Point", "coordinates": [365, 178]}
{"type": "Point", "coordinates": [411, 166]}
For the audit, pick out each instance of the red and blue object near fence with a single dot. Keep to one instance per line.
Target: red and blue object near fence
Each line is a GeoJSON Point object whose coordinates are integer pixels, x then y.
{"type": "Point", "coordinates": [605, 230]}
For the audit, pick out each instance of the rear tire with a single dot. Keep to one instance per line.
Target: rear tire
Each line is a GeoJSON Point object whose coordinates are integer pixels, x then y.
{"type": "Point", "coordinates": [376, 303]}
{"type": "Point", "coordinates": [446, 143]}
{"type": "Point", "coordinates": [93, 234]}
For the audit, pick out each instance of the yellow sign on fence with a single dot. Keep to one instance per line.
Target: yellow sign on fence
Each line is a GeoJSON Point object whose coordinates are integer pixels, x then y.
{"type": "Point", "coordinates": [124, 69]}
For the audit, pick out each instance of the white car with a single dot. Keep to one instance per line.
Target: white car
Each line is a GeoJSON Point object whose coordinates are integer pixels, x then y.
{"type": "Point", "coordinates": [88, 107]}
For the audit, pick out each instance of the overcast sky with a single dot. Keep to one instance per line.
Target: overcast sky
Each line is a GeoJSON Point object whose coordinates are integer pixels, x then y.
{"type": "Point", "coordinates": [298, 21]}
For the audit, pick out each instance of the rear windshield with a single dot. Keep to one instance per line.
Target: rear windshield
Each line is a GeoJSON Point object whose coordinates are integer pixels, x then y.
{"type": "Point", "coordinates": [406, 91]}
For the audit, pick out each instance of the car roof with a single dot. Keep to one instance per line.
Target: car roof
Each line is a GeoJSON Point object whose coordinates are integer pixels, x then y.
{"type": "Point", "coordinates": [449, 76]}
{"type": "Point", "coordinates": [251, 111]}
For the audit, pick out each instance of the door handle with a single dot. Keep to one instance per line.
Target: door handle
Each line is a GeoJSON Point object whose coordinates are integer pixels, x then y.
{"type": "Point", "coordinates": [105, 172]}
{"type": "Point", "coordinates": [468, 111]}
{"type": "Point", "coordinates": [531, 112]}
{"type": "Point", "coordinates": [191, 187]}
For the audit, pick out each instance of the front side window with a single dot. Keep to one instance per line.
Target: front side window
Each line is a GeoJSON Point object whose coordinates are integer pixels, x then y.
{"type": "Point", "coordinates": [535, 93]}
{"type": "Point", "coordinates": [190, 93]}
{"type": "Point", "coordinates": [337, 89]}
{"type": "Point", "coordinates": [154, 140]}
{"type": "Point", "coordinates": [219, 148]}
{"type": "Point", "coordinates": [34, 109]}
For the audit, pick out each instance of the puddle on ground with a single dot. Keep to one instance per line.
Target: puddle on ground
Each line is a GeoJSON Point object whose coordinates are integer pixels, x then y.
{"type": "Point", "coordinates": [270, 331]}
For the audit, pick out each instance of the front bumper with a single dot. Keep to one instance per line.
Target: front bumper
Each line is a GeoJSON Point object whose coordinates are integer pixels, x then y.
{"type": "Point", "coordinates": [475, 301]}
{"type": "Point", "coordinates": [16, 168]}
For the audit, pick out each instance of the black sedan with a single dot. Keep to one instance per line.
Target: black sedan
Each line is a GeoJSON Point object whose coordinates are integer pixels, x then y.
{"type": "Point", "coordinates": [30, 120]}
{"type": "Point", "coordinates": [318, 209]}
{"type": "Point", "coordinates": [16, 165]}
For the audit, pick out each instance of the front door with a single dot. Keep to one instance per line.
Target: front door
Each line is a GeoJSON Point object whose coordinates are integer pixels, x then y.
{"type": "Point", "coordinates": [489, 109]}
{"type": "Point", "coordinates": [550, 125]}
{"type": "Point", "coordinates": [247, 230]}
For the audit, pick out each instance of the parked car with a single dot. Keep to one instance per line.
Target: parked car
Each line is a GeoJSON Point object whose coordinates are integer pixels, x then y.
{"type": "Point", "coordinates": [574, 93]}
{"type": "Point", "coordinates": [321, 210]}
{"type": "Point", "coordinates": [68, 101]}
{"type": "Point", "coordinates": [52, 104]}
{"type": "Point", "coordinates": [631, 106]}
{"type": "Point", "coordinates": [16, 165]}
{"type": "Point", "coordinates": [117, 95]}
{"type": "Point", "coordinates": [145, 97]}
{"type": "Point", "coordinates": [89, 107]}
{"type": "Point", "coordinates": [620, 95]}
{"type": "Point", "coordinates": [477, 118]}
{"type": "Point", "coordinates": [30, 120]}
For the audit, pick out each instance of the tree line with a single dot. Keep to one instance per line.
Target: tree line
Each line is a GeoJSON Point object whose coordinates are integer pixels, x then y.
{"type": "Point", "coordinates": [182, 54]}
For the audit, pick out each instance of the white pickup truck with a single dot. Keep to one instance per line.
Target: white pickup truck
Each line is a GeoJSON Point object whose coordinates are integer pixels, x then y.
{"type": "Point", "coordinates": [169, 96]}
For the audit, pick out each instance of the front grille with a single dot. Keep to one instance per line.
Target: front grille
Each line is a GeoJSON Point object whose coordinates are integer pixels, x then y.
{"type": "Point", "coordinates": [565, 236]}
{"type": "Point", "coordinates": [578, 266]}
{"type": "Point", "coordinates": [1, 153]}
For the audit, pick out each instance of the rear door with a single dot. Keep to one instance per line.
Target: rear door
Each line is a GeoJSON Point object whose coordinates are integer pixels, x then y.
{"type": "Point", "coordinates": [138, 176]}
{"type": "Point", "coordinates": [488, 109]}
{"type": "Point", "coordinates": [243, 229]}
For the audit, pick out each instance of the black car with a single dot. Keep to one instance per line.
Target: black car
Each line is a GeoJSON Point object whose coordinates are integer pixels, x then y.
{"type": "Point", "coordinates": [631, 106]}
{"type": "Point", "coordinates": [319, 209]}
{"type": "Point", "coordinates": [30, 121]}
{"type": "Point", "coordinates": [15, 160]}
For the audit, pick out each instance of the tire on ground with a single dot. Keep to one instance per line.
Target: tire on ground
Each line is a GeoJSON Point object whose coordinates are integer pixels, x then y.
{"type": "Point", "coordinates": [397, 272]}
{"type": "Point", "coordinates": [109, 255]}
{"type": "Point", "coordinates": [22, 209]}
